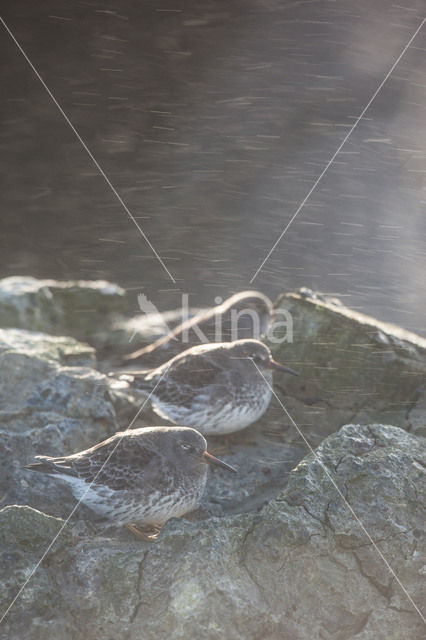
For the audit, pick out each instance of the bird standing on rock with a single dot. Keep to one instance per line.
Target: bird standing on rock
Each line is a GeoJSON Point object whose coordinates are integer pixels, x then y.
{"type": "Point", "coordinates": [142, 476]}
{"type": "Point", "coordinates": [215, 388]}
{"type": "Point", "coordinates": [244, 315]}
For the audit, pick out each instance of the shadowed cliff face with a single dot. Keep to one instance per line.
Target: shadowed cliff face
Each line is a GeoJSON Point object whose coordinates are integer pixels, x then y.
{"type": "Point", "coordinates": [213, 121]}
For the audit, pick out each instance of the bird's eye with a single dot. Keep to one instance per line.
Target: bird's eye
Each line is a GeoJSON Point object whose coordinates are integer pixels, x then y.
{"type": "Point", "coordinates": [186, 447]}
{"type": "Point", "coordinates": [257, 357]}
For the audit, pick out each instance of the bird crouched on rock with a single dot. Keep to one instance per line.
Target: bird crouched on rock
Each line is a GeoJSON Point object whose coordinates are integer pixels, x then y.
{"type": "Point", "coordinates": [216, 388]}
{"type": "Point", "coordinates": [244, 315]}
{"type": "Point", "coordinates": [143, 476]}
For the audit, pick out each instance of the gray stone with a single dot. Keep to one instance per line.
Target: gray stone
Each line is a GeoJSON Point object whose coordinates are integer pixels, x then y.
{"type": "Point", "coordinates": [352, 367]}
{"type": "Point", "coordinates": [78, 308]}
{"type": "Point", "coordinates": [47, 407]}
{"type": "Point", "coordinates": [300, 568]}
{"type": "Point", "coordinates": [43, 347]}
{"type": "Point", "coordinates": [416, 415]}
{"type": "Point", "coordinates": [25, 534]}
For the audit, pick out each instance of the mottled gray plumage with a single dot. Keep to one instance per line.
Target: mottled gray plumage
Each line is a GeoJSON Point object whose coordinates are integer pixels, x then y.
{"type": "Point", "coordinates": [244, 315]}
{"type": "Point", "coordinates": [143, 475]}
{"type": "Point", "coordinates": [216, 388]}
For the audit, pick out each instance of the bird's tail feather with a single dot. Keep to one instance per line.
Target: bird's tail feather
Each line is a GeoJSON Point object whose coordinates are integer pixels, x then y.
{"type": "Point", "coordinates": [49, 465]}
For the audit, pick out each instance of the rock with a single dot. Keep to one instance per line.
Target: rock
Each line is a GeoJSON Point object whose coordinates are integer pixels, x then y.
{"type": "Point", "coordinates": [25, 534]}
{"type": "Point", "coordinates": [78, 308]}
{"type": "Point", "coordinates": [26, 529]}
{"type": "Point", "coordinates": [302, 567]}
{"type": "Point", "coordinates": [417, 413]}
{"type": "Point", "coordinates": [47, 407]}
{"type": "Point", "coordinates": [352, 367]}
{"type": "Point", "coordinates": [380, 471]}
{"type": "Point", "coordinates": [32, 344]}
{"type": "Point", "coordinates": [91, 311]}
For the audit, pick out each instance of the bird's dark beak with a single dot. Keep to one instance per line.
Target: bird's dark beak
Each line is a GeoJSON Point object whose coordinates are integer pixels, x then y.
{"type": "Point", "coordinates": [273, 364]}
{"type": "Point", "coordinates": [209, 459]}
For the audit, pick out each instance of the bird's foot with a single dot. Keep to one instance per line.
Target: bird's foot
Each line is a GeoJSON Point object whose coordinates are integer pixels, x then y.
{"type": "Point", "coordinates": [148, 534]}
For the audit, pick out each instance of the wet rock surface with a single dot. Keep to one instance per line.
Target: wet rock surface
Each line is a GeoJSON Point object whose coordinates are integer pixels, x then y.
{"type": "Point", "coordinates": [273, 552]}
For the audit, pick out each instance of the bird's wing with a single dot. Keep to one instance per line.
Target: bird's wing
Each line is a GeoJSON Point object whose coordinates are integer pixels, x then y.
{"type": "Point", "coordinates": [114, 462]}
{"type": "Point", "coordinates": [52, 466]}
{"type": "Point", "coordinates": [190, 376]}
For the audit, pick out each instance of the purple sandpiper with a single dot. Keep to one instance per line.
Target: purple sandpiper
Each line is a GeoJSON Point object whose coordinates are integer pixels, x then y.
{"type": "Point", "coordinates": [143, 476]}
{"type": "Point", "coordinates": [215, 388]}
{"type": "Point", "coordinates": [244, 315]}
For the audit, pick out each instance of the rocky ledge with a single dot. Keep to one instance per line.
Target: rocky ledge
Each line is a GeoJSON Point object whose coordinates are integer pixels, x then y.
{"type": "Point", "coordinates": [300, 544]}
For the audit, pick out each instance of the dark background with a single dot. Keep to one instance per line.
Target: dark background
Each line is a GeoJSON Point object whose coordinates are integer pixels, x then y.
{"type": "Point", "coordinates": [213, 120]}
